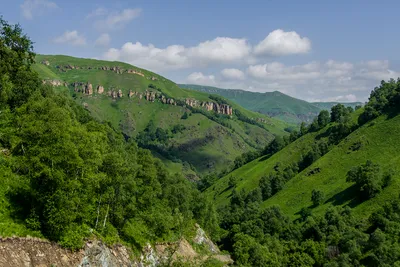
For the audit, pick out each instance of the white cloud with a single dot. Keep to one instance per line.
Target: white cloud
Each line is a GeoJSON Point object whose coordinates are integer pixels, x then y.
{"type": "Point", "coordinates": [103, 40]}
{"type": "Point", "coordinates": [71, 37]}
{"type": "Point", "coordinates": [280, 43]}
{"type": "Point", "coordinates": [233, 74]}
{"type": "Point", "coordinates": [114, 19]}
{"type": "Point", "coordinates": [218, 51]}
{"type": "Point", "coordinates": [221, 49]}
{"type": "Point", "coordinates": [315, 81]}
{"type": "Point", "coordinates": [200, 78]}
{"type": "Point", "coordinates": [36, 7]}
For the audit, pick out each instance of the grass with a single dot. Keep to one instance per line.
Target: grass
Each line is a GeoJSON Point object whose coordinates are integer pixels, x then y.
{"type": "Point", "coordinates": [379, 142]}
{"type": "Point", "coordinates": [209, 146]}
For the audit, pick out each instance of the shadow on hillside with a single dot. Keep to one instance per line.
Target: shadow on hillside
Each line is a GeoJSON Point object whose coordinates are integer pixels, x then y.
{"type": "Point", "coordinates": [264, 158]}
{"type": "Point", "coordinates": [326, 133]}
{"type": "Point", "coordinates": [393, 113]}
{"type": "Point", "coordinates": [226, 189]}
{"type": "Point", "coordinates": [347, 195]}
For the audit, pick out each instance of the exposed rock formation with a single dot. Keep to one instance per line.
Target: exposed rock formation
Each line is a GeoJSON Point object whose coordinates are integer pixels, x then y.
{"type": "Point", "coordinates": [100, 89]}
{"type": "Point", "coordinates": [21, 252]}
{"type": "Point", "coordinates": [135, 72]}
{"type": "Point", "coordinates": [131, 94]}
{"type": "Point", "coordinates": [150, 96]}
{"type": "Point", "coordinates": [89, 89]}
{"type": "Point", "coordinates": [192, 102]}
{"type": "Point", "coordinates": [119, 94]}
{"type": "Point", "coordinates": [45, 62]}
{"type": "Point", "coordinates": [55, 82]}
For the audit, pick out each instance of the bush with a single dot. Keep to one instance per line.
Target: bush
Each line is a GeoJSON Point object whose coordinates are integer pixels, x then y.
{"type": "Point", "coordinates": [185, 116]}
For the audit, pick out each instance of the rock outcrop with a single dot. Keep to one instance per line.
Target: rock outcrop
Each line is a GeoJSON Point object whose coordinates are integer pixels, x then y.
{"type": "Point", "coordinates": [45, 62]}
{"type": "Point", "coordinates": [135, 72]}
{"type": "Point", "coordinates": [149, 95]}
{"type": "Point", "coordinates": [120, 94]}
{"type": "Point", "coordinates": [21, 252]}
{"type": "Point", "coordinates": [100, 89]}
{"type": "Point", "coordinates": [55, 83]}
{"type": "Point", "coordinates": [88, 89]}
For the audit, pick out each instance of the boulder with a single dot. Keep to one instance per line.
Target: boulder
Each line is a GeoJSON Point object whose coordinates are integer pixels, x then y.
{"type": "Point", "coordinates": [89, 89]}
{"type": "Point", "coordinates": [119, 94]}
{"type": "Point", "coordinates": [100, 89]}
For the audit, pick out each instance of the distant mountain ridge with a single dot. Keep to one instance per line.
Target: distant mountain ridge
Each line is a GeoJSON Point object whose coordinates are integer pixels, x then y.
{"type": "Point", "coordinates": [274, 104]}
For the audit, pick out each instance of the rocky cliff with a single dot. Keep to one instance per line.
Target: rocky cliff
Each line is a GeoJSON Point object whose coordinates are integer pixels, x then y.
{"type": "Point", "coordinates": [19, 252]}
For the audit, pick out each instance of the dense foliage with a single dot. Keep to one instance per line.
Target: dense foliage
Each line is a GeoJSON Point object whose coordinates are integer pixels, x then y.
{"type": "Point", "coordinates": [266, 237]}
{"type": "Point", "coordinates": [68, 176]}
{"type": "Point", "coordinates": [383, 99]}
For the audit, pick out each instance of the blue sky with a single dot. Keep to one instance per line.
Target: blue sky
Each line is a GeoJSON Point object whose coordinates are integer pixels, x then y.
{"type": "Point", "coordinates": [313, 50]}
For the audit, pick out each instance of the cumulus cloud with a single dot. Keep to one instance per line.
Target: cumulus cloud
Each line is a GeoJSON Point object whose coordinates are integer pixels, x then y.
{"type": "Point", "coordinates": [221, 50]}
{"type": "Point", "coordinates": [233, 74]}
{"type": "Point", "coordinates": [200, 78]}
{"type": "Point", "coordinates": [36, 7]}
{"type": "Point", "coordinates": [71, 37]}
{"type": "Point", "coordinates": [218, 51]}
{"type": "Point", "coordinates": [329, 81]}
{"type": "Point", "coordinates": [280, 43]}
{"type": "Point", "coordinates": [105, 20]}
{"type": "Point", "coordinates": [103, 40]}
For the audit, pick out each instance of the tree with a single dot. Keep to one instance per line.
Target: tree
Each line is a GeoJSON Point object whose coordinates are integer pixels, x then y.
{"type": "Point", "coordinates": [232, 181]}
{"type": "Point", "coordinates": [276, 145]}
{"type": "Point", "coordinates": [17, 81]}
{"type": "Point", "coordinates": [265, 186]}
{"type": "Point", "coordinates": [367, 178]}
{"type": "Point", "coordinates": [303, 128]}
{"type": "Point", "coordinates": [338, 111]}
{"type": "Point", "coordinates": [323, 118]}
{"type": "Point", "coordinates": [317, 197]}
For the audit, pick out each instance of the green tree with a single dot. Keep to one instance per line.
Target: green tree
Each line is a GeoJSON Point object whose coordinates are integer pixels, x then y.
{"type": "Point", "coordinates": [367, 178]}
{"type": "Point", "coordinates": [323, 118]}
{"type": "Point", "coordinates": [317, 197]}
{"type": "Point", "coordinates": [338, 111]}
{"type": "Point", "coordinates": [17, 81]}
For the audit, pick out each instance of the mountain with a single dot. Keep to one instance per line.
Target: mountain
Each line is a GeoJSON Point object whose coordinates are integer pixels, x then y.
{"type": "Point", "coordinates": [192, 132]}
{"type": "Point", "coordinates": [274, 104]}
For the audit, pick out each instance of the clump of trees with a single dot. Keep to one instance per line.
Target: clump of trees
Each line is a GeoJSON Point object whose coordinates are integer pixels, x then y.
{"type": "Point", "coordinates": [369, 179]}
{"type": "Point", "coordinates": [383, 99]}
{"type": "Point", "coordinates": [258, 236]}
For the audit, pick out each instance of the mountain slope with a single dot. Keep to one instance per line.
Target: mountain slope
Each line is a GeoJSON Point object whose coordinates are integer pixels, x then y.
{"type": "Point", "coordinates": [274, 104]}
{"type": "Point", "coordinates": [376, 141]}
{"type": "Point", "coordinates": [133, 99]}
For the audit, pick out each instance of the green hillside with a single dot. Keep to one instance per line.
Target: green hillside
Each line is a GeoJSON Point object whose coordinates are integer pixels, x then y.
{"type": "Point", "coordinates": [274, 104]}
{"type": "Point", "coordinates": [204, 142]}
{"type": "Point", "coordinates": [378, 141]}
{"type": "Point", "coordinates": [326, 196]}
